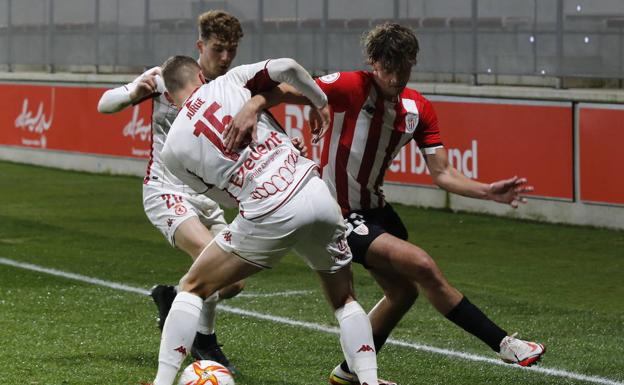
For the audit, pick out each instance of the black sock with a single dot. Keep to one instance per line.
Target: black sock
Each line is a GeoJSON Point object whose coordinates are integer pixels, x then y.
{"type": "Point", "coordinates": [471, 319]}
{"type": "Point", "coordinates": [379, 343]}
{"type": "Point", "coordinates": [206, 339]}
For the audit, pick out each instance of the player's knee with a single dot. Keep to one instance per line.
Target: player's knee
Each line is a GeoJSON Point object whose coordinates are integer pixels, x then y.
{"type": "Point", "coordinates": [426, 271]}
{"type": "Point", "coordinates": [196, 285]}
{"type": "Point", "coordinates": [232, 290]}
{"type": "Point", "coordinates": [403, 295]}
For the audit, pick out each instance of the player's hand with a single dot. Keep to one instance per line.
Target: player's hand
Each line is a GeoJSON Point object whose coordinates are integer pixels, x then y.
{"type": "Point", "coordinates": [241, 129]}
{"type": "Point", "coordinates": [509, 191]}
{"type": "Point", "coordinates": [300, 145]}
{"type": "Point", "coordinates": [319, 122]}
{"type": "Point", "coordinates": [146, 85]}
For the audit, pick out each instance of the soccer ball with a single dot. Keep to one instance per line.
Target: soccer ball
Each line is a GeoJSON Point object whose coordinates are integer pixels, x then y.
{"type": "Point", "coordinates": [206, 372]}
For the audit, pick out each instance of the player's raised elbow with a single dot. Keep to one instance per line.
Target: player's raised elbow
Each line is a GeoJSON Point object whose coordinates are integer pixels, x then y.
{"type": "Point", "coordinates": [104, 106]}
{"type": "Point", "coordinates": [284, 69]}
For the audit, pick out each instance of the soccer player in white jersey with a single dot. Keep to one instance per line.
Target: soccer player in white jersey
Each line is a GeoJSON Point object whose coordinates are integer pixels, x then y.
{"type": "Point", "coordinates": [374, 114]}
{"type": "Point", "coordinates": [283, 204]}
{"type": "Point", "coordinates": [188, 220]}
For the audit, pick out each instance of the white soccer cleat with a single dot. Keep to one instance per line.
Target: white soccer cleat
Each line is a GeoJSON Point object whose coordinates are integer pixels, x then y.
{"type": "Point", "coordinates": [340, 377]}
{"type": "Point", "coordinates": [519, 352]}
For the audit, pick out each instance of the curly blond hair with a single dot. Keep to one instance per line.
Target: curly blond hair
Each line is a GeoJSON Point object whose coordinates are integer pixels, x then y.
{"type": "Point", "coordinates": [221, 24]}
{"type": "Point", "coordinates": [392, 45]}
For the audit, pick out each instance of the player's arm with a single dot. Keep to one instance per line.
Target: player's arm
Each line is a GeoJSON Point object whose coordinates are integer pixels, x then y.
{"type": "Point", "coordinates": [246, 119]}
{"type": "Point", "coordinates": [444, 175]}
{"type": "Point", "coordinates": [296, 86]}
{"type": "Point", "coordinates": [447, 177]}
{"type": "Point", "coordinates": [143, 87]}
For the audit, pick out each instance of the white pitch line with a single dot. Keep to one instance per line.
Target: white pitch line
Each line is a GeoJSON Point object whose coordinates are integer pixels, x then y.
{"type": "Point", "coordinates": [318, 327]}
{"type": "Point", "coordinates": [288, 293]}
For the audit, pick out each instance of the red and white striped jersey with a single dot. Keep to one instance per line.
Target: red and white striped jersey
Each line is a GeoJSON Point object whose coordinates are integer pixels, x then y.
{"type": "Point", "coordinates": [366, 133]}
{"type": "Point", "coordinates": [261, 176]}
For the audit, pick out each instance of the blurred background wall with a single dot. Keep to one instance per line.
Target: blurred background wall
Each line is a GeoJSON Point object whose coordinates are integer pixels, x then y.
{"type": "Point", "coordinates": [472, 41]}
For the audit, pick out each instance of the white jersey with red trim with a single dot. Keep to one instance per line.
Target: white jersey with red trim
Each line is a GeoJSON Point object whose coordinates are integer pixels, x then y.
{"type": "Point", "coordinates": [261, 176]}
{"type": "Point", "coordinates": [366, 133]}
{"type": "Point", "coordinates": [163, 114]}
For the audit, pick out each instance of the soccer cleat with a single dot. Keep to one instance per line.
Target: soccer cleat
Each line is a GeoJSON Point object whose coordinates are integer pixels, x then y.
{"type": "Point", "coordinates": [163, 296]}
{"type": "Point", "coordinates": [340, 377]}
{"type": "Point", "coordinates": [202, 351]}
{"type": "Point", "coordinates": [519, 352]}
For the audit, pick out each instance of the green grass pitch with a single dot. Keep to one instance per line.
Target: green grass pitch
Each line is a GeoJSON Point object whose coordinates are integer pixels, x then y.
{"type": "Point", "coordinates": [561, 285]}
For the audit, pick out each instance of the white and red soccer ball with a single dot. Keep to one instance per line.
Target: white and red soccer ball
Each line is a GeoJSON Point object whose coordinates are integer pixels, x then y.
{"type": "Point", "coordinates": [206, 373]}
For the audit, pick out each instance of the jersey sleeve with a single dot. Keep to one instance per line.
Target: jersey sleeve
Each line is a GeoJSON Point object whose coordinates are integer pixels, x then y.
{"type": "Point", "coordinates": [341, 88]}
{"type": "Point", "coordinates": [254, 77]}
{"type": "Point", "coordinates": [264, 76]}
{"type": "Point", "coordinates": [117, 99]}
{"type": "Point", "coordinates": [427, 134]}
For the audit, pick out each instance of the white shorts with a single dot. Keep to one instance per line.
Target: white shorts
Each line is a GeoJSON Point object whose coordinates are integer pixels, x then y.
{"type": "Point", "coordinates": [168, 206]}
{"type": "Point", "coordinates": [310, 224]}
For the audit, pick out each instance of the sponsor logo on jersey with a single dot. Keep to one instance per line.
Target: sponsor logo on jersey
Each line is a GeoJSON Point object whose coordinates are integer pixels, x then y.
{"type": "Point", "coordinates": [250, 166]}
{"type": "Point", "coordinates": [279, 181]}
{"type": "Point", "coordinates": [330, 78]}
{"type": "Point", "coordinates": [35, 123]}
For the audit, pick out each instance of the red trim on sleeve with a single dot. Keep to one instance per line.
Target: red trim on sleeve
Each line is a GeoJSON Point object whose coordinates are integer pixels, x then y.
{"type": "Point", "coordinates": [261, 82]}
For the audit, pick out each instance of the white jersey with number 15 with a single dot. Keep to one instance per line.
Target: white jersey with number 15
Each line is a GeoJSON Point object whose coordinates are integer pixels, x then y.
{"type": "Point", "coordinates": [261, 176]}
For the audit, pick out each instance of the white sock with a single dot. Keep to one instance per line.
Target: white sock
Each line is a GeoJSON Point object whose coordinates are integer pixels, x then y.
{"type": "Point", "coordinates": [208, 316]}
{"type": "Point", "coordinates": [177, 336]}
{"type": "Point", "coordinates": [356, 339]}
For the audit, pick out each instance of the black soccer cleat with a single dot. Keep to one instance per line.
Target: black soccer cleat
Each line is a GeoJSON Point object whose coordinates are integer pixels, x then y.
{"type": "Point", "coordinates": [163, 296]}
{"type": "Point", "coordinates": [205, 347]}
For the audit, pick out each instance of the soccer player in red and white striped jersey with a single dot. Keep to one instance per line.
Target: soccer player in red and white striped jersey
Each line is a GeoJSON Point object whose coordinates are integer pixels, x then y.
{"type": "Point", "coordinates": [374, 114]}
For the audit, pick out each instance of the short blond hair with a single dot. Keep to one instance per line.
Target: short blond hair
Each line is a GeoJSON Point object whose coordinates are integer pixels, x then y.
{"type": "Point", "coordinates": [221, 24]}
{"type": "Point", "coordinates": [392, 45]}
{"type": "Point", "coordinates": [178, 71]}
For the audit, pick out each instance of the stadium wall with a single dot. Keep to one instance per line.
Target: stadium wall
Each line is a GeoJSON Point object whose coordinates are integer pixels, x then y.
{"type": "Point", "coordinates": [564, 141]}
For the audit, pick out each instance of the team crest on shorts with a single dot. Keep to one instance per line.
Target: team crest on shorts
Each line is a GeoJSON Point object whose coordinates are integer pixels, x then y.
{"type": "Point", "coordinates": [327, 79]}
{"type": "Point", "coordinates": [361, 230]}
{"type": "Point", "coordinates": [179, 209]}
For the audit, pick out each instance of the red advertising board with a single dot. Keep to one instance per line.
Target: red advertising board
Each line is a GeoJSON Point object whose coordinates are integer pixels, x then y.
{"type": "Point", "coordinates": [601, 131]}
{"type": "Point", "coordinates": [65, 118]}
{"type": "Point", "coordinates": [486, 140]}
